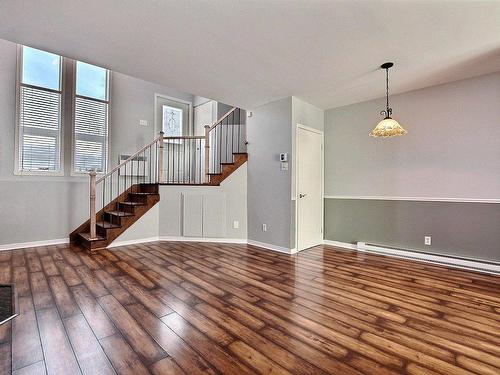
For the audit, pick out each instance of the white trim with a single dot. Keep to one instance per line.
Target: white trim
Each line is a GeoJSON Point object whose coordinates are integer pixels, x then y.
{"type": "Point", "coordinates": [344, 245]}
{"type": "Point", "coordinates": [203, 239]}
{"type": "Point", "coordinates": [22, 245]}
{"type": "Point", "coordinates": [272, 247]}
{"type": "Point", "coordinates": [417, 199]}
{"type": "Point", "coordinates": [177, 239]}
{"type": "Point", "coordinates": [9, 318]}
{"type": "Point", "coordinates": [132, 242]}
{"type": "Point", "coordinates": [296, 182]}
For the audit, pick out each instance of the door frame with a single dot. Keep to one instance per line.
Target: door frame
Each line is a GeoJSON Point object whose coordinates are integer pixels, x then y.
{"type": "Point", "coordinates": [158, 125]}
{"type": "Point", "coordinates": [297, 178]}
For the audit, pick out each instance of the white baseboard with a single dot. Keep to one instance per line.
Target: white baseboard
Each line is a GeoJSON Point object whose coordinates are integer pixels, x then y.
{"type": "Point", "coordinates": [450, 261]}
{"type": "Point", "coordinates": [133, 242]}
{"type": "Point", "coordinates": [344, 245]}
{"type": "Point", "coordinates": [268, 246]}
{"type": "Point", "coordinates": [23, 245]}
{"type": "Point", "coordinates": [177, 239]}
{"type": "Point", "coordinates": [202, 239]}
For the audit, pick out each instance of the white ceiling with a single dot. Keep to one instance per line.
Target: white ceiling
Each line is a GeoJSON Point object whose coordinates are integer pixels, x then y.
{"type": "Point", "coordinates": [248, 53]}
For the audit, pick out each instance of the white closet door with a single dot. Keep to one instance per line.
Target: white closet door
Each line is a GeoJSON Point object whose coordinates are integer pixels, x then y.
{"type": "Point", "coordinates": [214, 215]}
{"type": "Point", "coordinates": [192, 215]}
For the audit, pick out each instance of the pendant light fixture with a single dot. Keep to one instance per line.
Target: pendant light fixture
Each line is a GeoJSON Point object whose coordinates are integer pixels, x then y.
{"type": "Point", "coordinates": [388, 127]}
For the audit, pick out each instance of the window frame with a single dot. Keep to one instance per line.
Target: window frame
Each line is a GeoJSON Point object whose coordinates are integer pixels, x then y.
{"type": "Point", "coordinates": [73, 172]}
{"type": "Point", "coordinates": [18, 171]}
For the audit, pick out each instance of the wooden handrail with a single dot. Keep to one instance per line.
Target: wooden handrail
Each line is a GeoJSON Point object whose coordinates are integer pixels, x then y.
{"type": "Point", "coordinates": [186, 137]}
{"type": "Point", "coordinates": [127, 160]}
{"type": "Point", "coordinates": [222, 118]}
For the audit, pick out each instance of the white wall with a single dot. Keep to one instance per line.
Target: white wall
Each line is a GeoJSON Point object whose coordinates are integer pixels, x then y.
{"type": "Point", "coordinates": [452, 148]}
{"type": "Point", "coordinates": [165, 218]}
{"type": "Point", "coordinates": [235, 190]}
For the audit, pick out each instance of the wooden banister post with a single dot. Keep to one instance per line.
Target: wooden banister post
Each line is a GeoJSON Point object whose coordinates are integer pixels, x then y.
{"type": "Point", "coordinates": [93, 233]}
{"type": "Point", "coordinates": [160, 159]}
{"type": "Point", "coordinates": [207, 153]}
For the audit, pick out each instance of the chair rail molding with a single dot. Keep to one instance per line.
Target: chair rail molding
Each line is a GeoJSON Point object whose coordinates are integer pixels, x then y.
{"type": "Point", "coordinates": [416, 199]}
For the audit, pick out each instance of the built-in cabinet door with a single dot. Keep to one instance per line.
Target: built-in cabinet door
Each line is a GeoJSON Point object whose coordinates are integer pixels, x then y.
{"type": "Point", "coordinates": [204, 215]}
{"type": "Point", "coordinates": [192, 223]}
{"type": "Point", "coordinates": [214, 215]}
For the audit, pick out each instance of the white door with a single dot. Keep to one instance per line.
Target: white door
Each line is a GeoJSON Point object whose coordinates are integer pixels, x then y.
{"type": "Point", "coordinates": [309, 187]}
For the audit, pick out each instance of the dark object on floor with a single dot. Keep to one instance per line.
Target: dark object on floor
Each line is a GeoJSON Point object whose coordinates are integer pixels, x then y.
{"type": "Point", "coordinates": [7, 303]}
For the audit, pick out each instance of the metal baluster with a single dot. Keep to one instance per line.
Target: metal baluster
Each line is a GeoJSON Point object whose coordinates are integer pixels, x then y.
{"type": "Point", "coordinates": [239, 126]}
{"type": "Point", "coordinates": [220, 148]}
{"type": "Point", "coordinates": [232, 137]}
{"type": "Point", "coordinates": [189, 160]}
{"type": "Point", "coordinates": [103, 191]}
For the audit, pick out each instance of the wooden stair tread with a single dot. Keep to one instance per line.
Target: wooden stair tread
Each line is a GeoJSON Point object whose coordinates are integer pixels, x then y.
{"type": "Point", "coordinates": [86, 237]}
{"type": "Point", "coordinates": [107, 225]}
{"type": "Point", "coordinates": [128, 203]}
{"type": "Point", "coordinates": [119, 213]}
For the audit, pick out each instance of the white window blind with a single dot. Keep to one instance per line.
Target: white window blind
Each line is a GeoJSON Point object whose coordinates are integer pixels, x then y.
{"type": "Point", "coordinates": [40, 104]}
{"type": "Point", "coordinates": [91, 119]}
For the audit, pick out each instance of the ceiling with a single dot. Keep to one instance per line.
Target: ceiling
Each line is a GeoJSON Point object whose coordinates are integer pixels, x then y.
{"type": "Point", "coordinates": [248, 53]}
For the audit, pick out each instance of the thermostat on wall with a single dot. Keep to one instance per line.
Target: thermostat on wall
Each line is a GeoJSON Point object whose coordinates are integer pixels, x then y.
{"type": "Point", "coordinates": [283, 156]}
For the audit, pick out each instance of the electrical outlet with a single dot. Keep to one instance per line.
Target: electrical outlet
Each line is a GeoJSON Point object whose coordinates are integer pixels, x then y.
{"type": "Point", "coordinates": [143, 122]}
{"type": "Point", "coordinates": [284, 166]}
{"type": "Point", "coordinates": [427, 240]}
{"type": "Point", "coordinates": [236, 224]}
{"type": "Point", "coordinates": [264, 227]}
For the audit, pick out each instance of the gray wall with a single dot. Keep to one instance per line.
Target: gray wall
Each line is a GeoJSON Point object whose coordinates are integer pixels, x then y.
{"type": "Point", "coordinates": [44, 208]}
{"type": "Point", "coordinates": [452, 150]}
{"type": "Point", "coordinates": [470, 230]}
{"type": "Point", "coordinates": [269, 188]}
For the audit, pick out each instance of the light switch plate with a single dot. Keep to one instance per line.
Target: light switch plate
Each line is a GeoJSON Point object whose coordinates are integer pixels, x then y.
{"type": "Point", "coordinates": [143, 122]}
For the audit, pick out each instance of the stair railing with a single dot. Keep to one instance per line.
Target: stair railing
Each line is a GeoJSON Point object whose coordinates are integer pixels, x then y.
{"type": "Point", "coordinates": [223, 139]}
{"type": "Point", "coordinates": [144, 166]}
{"type": "Point", "coordinates": [183, 160]}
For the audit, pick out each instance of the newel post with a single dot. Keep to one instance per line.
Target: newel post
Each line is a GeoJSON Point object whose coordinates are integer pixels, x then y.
{"type": "Point", "coordinates": [207, 153]}
{"type": "Point", "coordinates": [93, 233]}
{"type": "Point", "coordinates": [160, 159]}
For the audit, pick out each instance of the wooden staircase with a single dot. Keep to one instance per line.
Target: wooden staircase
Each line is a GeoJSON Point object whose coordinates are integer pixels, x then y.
{"type": "Point", "coordinates": [131, 188]}
{"type": "Point", "coordinates": [228, 168]}
{"type": "Point", "coordinates": [117, 216]}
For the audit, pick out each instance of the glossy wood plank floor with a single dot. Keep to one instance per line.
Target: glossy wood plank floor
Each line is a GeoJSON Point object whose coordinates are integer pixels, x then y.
{"type": "Point", "coordinates": [193, 308]}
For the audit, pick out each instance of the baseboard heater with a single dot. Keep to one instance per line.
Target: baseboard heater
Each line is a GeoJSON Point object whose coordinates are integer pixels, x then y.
{"type": "Point", "coordinates": [446, 260]}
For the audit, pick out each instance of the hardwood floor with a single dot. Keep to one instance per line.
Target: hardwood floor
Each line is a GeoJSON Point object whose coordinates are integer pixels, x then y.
{"type": "Point", "coordinates": [200, 308]}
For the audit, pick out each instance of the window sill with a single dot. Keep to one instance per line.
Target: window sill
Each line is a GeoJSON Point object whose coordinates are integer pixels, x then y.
{"type": "Point", "coordinates": [39, 173]}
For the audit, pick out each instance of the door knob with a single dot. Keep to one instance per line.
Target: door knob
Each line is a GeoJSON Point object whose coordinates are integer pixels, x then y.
{"type": "Point", "coordinates": [302, 195]}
